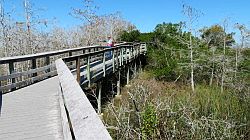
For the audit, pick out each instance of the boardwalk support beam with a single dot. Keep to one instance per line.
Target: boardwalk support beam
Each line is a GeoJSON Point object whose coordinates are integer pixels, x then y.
{"type": "Point", "coordinates": [127, 74]}
{"type": "Point", "coordinates": [119, 83]}
{"type": "Point", "coordinates": [99, 99]}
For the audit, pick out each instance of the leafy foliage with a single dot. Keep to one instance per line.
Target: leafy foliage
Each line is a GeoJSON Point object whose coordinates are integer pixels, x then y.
{"type": "Point", "coordinates": [214, 36]}
{"type": "Point", "coordinates": [149, 122]}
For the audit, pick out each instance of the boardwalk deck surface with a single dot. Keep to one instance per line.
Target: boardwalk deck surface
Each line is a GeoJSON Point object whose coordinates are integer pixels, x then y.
{"type": "Point", "coordinates": [32, 112]}
{"type": "Point", "coordinates": [37, 111]}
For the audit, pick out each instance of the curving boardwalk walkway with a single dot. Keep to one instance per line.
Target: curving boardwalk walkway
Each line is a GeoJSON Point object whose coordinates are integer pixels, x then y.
{"type": "Point", "coordinates": [38, 111]}
{"type": "Point", "coordinates": [32, 112]}
{"type": "Point", "coordinates": [35, 111]}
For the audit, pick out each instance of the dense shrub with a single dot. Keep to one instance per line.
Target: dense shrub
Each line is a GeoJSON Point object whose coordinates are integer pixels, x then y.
{"type": "Point", "coordinates": [158, 110]}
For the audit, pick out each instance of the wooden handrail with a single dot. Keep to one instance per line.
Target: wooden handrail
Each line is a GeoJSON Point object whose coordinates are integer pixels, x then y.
{"type": "Point", "coordinates": [6, 60]}
{"type": "Point", "coordinates": [48, 70]}
{"type": "Point", "coordinates": [83, 119]}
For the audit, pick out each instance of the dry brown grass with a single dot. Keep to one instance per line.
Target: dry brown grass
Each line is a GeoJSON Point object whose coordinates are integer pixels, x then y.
{"type": "Point", "coordinates": [151, 109]}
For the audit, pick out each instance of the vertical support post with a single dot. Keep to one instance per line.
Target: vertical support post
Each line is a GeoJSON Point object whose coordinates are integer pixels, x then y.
{"type": "Point", "coordinates": [113, 60]}
{"type": "Point", "coordinates": [129, 54]}
{"type": "Point", "coordinates": [89, 50]}
{"type": "Point", "coordinates": [120, 60]}
{"type": "Point", "coordinates": [88, 70]}
{"type": "Point", "coordinates": [83, 51]}
{"type": "Point", "coordinates": [140, 66]}
{"type": "Point", "coordinates": [125, 56]}
{"type": "Point", "coordinates": [1, 98]}
{"type": "Point", "coordinates": [135, 69]}
{"type": "Point", "coordinates": [104, 65]}
{"type": "Point", "coordinates": [0, 95]}
{"type": "Point", "coordinates": [11, 70]}
{"type": "Point", "coordinates": [47, 62]}
{"type": "Point", "coordinates": [33, 66]}
{"type": "Point", "coordinates": [99, 99]}
{"type": "Point", "coordinates": [133, 51]}
{"type": "Point", "coordinates": [135, 47]}
{"type": "Point", "coordinates": [78, 71]}
{"type": "Point", "coordinates": [119, 83]}
{"type": "Point", "coordinates": [127, 74]}
{"type": "Point", "coordinates": [117, 59]}
{"type": "Point", "coordinates": [122, 56]}
{"type": "Point", "coordinates": [138, 50]}
{"type": "Point", "coordinates": [70, 54]}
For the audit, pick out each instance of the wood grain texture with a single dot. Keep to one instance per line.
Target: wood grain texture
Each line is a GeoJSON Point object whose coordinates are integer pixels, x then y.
{"type": "Point", "coordinates": [32, 112]}
{"type": "Point", "coordinates": [85, 121]}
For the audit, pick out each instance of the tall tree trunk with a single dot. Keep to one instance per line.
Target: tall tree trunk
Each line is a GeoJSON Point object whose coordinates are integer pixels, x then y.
{"type": "Point", "coordinates": [192, 63]}
{"type": "Point", "coordinates": [223, 62]}
{"type": "Point", "coordinates": [212, 73]}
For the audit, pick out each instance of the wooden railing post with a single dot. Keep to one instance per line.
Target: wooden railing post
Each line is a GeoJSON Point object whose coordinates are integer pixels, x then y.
{"type": "Point", "coordinates": [88, 70]}
{"type": "Point", "coordinates": [47, 62]}
{"type": "Point", "coordinates": [122, 56]}
{"type": "Point", "coordinates": [0, 94]}
{"type": "Point", "coordinates": [104, 65]}
{"type": "Point", "coordinates": [136, 50]}
{"type": "Point", "coordinates": [120, 60]}
{"type": "Point", "coordinates": [133, 51]}
{"type": "Point", "coordinates": [78, 71]}
{"type": "Point", "coordinates": [126, 56]}
{"type": "Point", "coordinates": [33, 66]}
{"type": "Point", "coordinates": [11, 70]}
{"type": "Point", "coordinates": [129, 54]}
{"type": "Point", "coordinates": [70, 54]}
{"type": "Point", "coordinates": [117, 58]}
{"type": "Point", "coordinates": [113, 60]}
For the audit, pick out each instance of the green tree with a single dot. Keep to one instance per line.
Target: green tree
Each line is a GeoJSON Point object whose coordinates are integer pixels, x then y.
{"type": "Point", "coordinates": [214, 36]}
{"type": "Point", "coordinates": [130, 36]}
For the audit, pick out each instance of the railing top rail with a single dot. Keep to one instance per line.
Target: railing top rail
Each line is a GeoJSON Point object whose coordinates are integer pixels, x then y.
{"type": "Point", "coordinates": [6, 60]}
{"type": "Point", "coordinates": [71, 91]}
{"type": "Point", "coordinates": [72, 58]}
{"type": "Point", "coordinates": [39, 55]}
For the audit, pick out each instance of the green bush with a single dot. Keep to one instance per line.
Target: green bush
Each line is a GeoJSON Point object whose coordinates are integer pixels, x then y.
{"type": "Point", "coordinates": [149, 122]}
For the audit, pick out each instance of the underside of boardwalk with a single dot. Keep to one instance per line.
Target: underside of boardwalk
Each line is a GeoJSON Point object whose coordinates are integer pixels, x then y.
{"type": "Point", "coordinates": [57, 108]}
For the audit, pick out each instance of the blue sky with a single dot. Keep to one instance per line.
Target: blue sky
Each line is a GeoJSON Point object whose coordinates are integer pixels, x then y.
{"type": "Point", "coordinates": [145, 14]}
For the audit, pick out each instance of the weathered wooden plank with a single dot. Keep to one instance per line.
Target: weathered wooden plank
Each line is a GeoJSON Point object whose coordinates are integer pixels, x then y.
{"type": "Point", "coordinates": [11, 70]}
{"type": "Point", "coordinates": [72, 58]}
{"type": "Point", "coordinates": [25, 73]}
{"type": "Point", "coordinates": [33, 66]}
{"type": "Point", "coordinates": [65, 123]}
{"type": "Point", "coordinates": [32, 113]}
{"type": "Point", "coordinates": [85, 122]}
{"type": "Point", "coordinates": [27, 81]}
{"type": "Point", "coordinates": [41, 55]}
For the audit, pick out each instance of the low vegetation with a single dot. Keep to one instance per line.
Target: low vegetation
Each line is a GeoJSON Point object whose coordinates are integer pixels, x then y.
{"type": "Point", "coordinates": [152, 109]}
{"type": "Point", "coordinates": [193, 87]}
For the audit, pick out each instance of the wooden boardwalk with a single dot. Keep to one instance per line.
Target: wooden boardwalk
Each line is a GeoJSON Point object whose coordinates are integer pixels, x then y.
{"type": "Point", "coordinates": [32, 112]}
{"type": "Point", "coordinates": [50, 108]}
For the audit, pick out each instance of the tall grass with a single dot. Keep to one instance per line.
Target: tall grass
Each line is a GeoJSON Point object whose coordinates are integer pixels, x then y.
{"type": "Point", "coordinates": [158, 110]}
